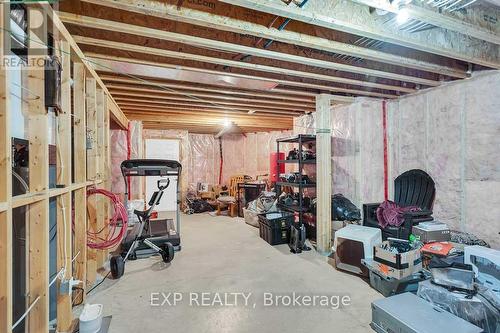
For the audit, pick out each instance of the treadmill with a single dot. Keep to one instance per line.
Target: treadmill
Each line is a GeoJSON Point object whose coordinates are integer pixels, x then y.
{"type": "Point", "coordinates": [159, 232]}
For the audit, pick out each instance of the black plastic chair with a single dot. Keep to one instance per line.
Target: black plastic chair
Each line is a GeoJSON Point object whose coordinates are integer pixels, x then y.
{"type": "Point", "coordinates": [412, 188]}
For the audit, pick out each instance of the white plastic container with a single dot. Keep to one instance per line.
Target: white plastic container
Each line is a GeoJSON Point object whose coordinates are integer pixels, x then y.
{"type": "Point", "coordinates": [91, 318]}
{"type": "Point", "coordinates": [353, 243]}
{"type": "Point", "coordinates": [486, 265]}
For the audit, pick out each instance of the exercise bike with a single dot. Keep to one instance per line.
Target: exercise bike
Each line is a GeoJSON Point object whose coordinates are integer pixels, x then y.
{"type": "Point", "coordinates": [144, 236]}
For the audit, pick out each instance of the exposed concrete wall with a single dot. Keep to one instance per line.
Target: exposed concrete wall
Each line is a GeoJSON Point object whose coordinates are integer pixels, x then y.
{"type": "Point", "coordinates": [452, 132]}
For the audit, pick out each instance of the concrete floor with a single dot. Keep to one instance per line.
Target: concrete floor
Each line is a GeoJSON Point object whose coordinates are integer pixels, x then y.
{"type": "Point", "coordinates": [224, 255]}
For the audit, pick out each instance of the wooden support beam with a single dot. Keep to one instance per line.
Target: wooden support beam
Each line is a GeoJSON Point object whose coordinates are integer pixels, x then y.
{"type": "Point", "coordinates": [80, 176]}
{"type": "Point", "coordinates": [107, 176]}
{"type": "Point", "coordinates": [91, 22]}
{"type": "Point", "coordinates": [221, 22]}
{"type": "Point", "coordinates": [80, 248]}
{"type": "Point", "coordinates": [102, 62]}
{"type": "Point", "coordinates": [64, 204]}
{"type": "Point", "coordinates": [38, 213]}
{"type": "Point", "coordinates": [79, 122]}
{"type": "Point", "coordinates": [183, 111]}
{"type": "Point", "coordinates": [91, 114]}
{"type": "Point", "coordinates": [356, 19]}
{"type": "Point", "coordinates": [283, 94]}
{"type": "Point", "coordinates": [202, 110]}
{"type": "Point", "coordinates": [263, 53]}
{"type": "Point", "coordinates": [208, 120]}
{"type": "Point", "coordinates": [323, 174]}
{"type": "Point", "coordinates": [5, 180]}
{"type": "Point", "coordinates": [125, 90]}
{"type": "Point", "coordinates": [92, 171]}
{"type": "Point", "coordinates": [102, 108]}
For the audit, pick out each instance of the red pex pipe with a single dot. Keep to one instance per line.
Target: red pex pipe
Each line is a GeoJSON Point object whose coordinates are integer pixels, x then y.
{"type": "Point", "coordinates": [99, 239]}
{"type": "Point", "coordinates": [386, 173]}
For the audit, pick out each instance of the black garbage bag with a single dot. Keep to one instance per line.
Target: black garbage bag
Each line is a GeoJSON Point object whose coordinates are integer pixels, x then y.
{"type": "Point", "coordinates": [200, 206]}
{"type": "Point", "coordinates": [342, 209]}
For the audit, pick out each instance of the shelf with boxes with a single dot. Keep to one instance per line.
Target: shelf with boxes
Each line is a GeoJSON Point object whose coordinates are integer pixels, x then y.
{"type": "Point", "coordinates": [294, 189]}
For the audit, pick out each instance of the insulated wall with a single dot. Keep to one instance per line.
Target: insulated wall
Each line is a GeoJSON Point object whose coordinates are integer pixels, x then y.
{"type": "Point", "coordinates": [249, 154]}
{"type": "Point", "coordinates": [125, 143]}
{"type": "Point", "coordinates": [452, 132]}
{"type": "Point", "coordinates": [204, 160]}
{"type": "Point", "coordinates": [357, 149]}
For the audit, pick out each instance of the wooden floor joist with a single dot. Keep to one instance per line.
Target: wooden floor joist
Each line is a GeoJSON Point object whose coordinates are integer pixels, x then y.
{"type": "Point", "coordinates": [354, 18]}
{"type": "Point", "coordinates": [228, 47]}
{"type": "Point", "coordinates": [174, 87]}
{"type": "Point", "coordinates": [190, 13]}
{"type": "Point", "coordinates": [127, 90]}
{"type": "Point", "coordinates": [228, 109]}
{"type": "Point", "coordinates": [87, 21]}
{"type": "Point", "coordinates": [98, 60]}
{"type": "Point", "coordinates": [126, 97]}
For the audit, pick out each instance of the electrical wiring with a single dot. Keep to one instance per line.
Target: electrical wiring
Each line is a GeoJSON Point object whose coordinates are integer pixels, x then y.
{"type": "Point", "coordinates": [116, 232]}
{"type": "Point", "coordinates": [97, 285]}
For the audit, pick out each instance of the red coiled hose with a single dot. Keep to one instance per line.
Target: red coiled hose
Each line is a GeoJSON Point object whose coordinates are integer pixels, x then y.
{"type": "Point", "coordinates": [95, 240]}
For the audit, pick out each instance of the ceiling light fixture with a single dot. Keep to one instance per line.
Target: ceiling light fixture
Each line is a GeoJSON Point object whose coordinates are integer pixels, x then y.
{"type": "Point", "coordinates": [403, 16]}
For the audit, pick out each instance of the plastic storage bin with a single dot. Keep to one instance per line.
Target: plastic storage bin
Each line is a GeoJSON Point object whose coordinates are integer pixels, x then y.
{"type": "Point", "coordinates": [274, 227]}
{"type": "Point", "coordinates": [388, 286]}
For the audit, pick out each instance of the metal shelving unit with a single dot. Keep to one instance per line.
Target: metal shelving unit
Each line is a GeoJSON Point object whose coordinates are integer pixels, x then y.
{"type": "Point", "coordinates": [300, 140]}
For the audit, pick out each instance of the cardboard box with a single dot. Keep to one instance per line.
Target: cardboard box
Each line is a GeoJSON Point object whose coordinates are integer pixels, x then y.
{"type": "Point", "coordinates": [430, 232]}
{"type": "Point", "coordinates": [397, 265]}
{"type": "Point", "coordinates": [207, 195]}
{"type": "Point", "coordinates": [398, 274]}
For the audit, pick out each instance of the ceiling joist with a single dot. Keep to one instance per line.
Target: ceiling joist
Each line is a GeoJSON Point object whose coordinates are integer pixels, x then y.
{"type": "Point", "coordinates": [124, 90]}
{"type": "Point", "coordinates": [356, 19]}
{"type": "Point", "coordinates": [228, 47]}
{"type": "Point", "coordinates": [465, 22]}
{"type": "Point", "coordinates": [91, 22]}
{"type": "Point", "coordinates": [224, 23]}
{"type": "Point", "coordinates": [162, 98]}
{"type": "Point", "coordinates": [99, 61]}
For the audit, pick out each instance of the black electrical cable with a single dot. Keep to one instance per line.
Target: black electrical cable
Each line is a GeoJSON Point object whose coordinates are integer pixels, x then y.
{"type": "Point", "coordinates": [97, 285]}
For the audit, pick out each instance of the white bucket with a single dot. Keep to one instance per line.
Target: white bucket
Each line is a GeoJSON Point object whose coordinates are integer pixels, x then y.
{"type": "Point", "coordinates": [91, 318]}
